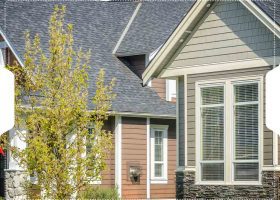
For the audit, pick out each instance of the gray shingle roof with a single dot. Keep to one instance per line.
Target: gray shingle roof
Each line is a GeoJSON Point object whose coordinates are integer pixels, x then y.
{"type": "Point", "coordinates": [271, 8]}
{"type": "Point", "coordinates": [152, 25]}
{"type": "Point", "coordinates": [98, 26]}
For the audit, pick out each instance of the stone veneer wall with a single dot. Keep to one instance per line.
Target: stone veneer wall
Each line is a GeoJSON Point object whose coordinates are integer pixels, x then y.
{"type": "Point", "coordinates": [14, 185]}
{"type": "Point", "coordinates": [186, 188]}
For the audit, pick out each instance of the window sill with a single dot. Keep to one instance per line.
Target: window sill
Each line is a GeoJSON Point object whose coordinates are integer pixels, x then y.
{"type": "Point", "coordinates": [160, 181]}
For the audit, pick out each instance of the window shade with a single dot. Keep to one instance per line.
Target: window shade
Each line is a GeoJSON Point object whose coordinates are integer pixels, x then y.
{"type": "Point", "coordinates": [212, 130]}
{"type": "Point", "coordinates": [158, 154]}
{"type": "Point", "coordinates": [246, 117]}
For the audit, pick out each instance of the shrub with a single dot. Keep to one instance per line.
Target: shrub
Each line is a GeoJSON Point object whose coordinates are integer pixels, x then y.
{"type": "Point", "coordinates": [99, 193]}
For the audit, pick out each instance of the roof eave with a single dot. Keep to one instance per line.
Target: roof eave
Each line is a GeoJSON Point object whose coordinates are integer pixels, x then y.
{"type": "Point", "coordinates": [179, 34]}
{"type": "Point", "coordinates": [156, 66]}
{"type": "Point", "coordinates": [11, 47]}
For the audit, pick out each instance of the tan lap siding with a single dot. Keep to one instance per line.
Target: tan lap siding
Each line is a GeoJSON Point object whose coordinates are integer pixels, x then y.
{"type": "Point", "coordinates": [108, 175]}
{"type": "Point", "coordinates": [267, 134]}
{"type": "Point", "coordinates": [229, 33]}
{"type": "Point", "coordinates": [167, 190]}
{"type": "Point", "coordinates": [134, 150]}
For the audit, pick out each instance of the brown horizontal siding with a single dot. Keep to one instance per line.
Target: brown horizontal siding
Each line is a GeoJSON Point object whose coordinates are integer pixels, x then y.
{"type": "Point", "coordinates": [134, 150]}
{"type": "Point", "coordinates": [108, 175]}
{"type": "Point", "coordinates": [135, 63]}
{"type": "Point", "coordinates": [159, 85]}
{"type": "Point", "coordinates": [167, 190]}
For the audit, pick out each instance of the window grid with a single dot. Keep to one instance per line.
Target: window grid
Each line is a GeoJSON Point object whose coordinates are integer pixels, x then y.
{"type": "Point", "coordinates": [229, 168]}
{"type": "Point", "coordinates": [246, 174]}
{"type": "Point", "coordinates": [212, 109]}
{"type": "Point", "coordinates": [159, 154]}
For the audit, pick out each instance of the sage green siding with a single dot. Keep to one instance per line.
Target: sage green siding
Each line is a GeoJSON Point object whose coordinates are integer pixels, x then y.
{"type": "Point", "coordinates": [191, 80]}
{"type": "Point", "coordinates": [181, 114]}
{"type": "Point", "coordinates": [229, 33]}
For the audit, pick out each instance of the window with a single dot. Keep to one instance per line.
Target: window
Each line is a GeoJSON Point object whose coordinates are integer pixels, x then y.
{"type": "Point", "coordinates": [159, 154]}
{"type": "Point", "coordinates": [228, 126]}
{"type": "Point", "coordinates": [212, 132]}
{"type": "Point", "coordinates": [170, 90]}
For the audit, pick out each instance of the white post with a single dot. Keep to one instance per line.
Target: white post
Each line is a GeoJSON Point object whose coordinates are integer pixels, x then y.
{"type": "Point", "coordinates": [118, 154]}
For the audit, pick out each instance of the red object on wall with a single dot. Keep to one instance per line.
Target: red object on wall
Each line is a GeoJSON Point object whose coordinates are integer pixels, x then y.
{"type": "Point", "coordinates": [2, 151]}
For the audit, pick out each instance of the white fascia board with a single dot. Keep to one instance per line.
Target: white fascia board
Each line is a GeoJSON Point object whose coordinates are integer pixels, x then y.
{"type": "Point", "coordinates": [177, 37]}
{"type": "Point", "coordinates": [144, 115]}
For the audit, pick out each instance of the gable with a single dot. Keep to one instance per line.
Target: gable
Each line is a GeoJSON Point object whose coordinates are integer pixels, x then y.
{"type": "Point", "coordinates": [230, 33]}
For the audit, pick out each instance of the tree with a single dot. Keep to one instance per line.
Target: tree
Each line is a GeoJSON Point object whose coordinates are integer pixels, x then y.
{"type": "Point", "coordinates": [51, 104]}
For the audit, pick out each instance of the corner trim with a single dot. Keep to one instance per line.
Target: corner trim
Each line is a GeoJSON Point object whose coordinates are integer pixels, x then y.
{"type": "Point", "coordinates": [118, 154]}
{"type": "Point", "coordinates": [148, 159]}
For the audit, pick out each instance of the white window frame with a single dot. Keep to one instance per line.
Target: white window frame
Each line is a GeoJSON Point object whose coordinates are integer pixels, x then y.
{"type": "Point", "coordinates": [169, 95]}
{"type": "Point", "coordinates": [164, 178]}
{"type": "Point", "coordinates": [229, 128]}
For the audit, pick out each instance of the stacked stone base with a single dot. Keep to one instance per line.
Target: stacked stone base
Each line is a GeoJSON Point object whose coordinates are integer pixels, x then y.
{"type": "Point", "coordinates": [186, 188]}
{"type": "Point", "coordinates": [15, 180]}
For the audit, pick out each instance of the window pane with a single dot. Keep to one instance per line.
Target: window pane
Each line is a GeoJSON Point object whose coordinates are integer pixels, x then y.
{"type": "Point", "coordinates": [212, 171]}
{"type": "Point", "coordinates": [158, 146]}
{"type": "Point", "coordinates": [213, 133]}
{"type": "Point", "coordinates": [246, 132]}
{"type": "Point", "coordinates": [212, 95]}
{"type": "Point", "coordinates": [158, 170]}
{"type": "Point", "coordinates": [246, 92]}
{"type": "Point", "coordinates": [246, 171]}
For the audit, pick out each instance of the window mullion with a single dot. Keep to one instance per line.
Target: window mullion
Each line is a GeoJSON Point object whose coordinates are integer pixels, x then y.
{"type": "Point", "coordinates": [228, 132]}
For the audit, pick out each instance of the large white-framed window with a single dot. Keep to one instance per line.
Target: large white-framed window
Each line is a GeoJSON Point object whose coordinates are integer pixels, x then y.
{"type": "Point", "coordinates": [229, 127]}
{"type": "Point", "coordinates": [159, 156]}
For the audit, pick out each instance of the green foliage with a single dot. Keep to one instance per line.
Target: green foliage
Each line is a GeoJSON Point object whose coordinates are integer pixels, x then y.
{"type": "Point", "coordinates": [99, 193]}
{"type": "Point", "coordinates": [51, 103]}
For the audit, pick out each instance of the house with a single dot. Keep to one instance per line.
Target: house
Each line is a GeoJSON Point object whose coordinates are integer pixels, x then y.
{"type": "Point", "coordinates": [219, 54]}
{"type": "Point", "coordinates": [122, 36]}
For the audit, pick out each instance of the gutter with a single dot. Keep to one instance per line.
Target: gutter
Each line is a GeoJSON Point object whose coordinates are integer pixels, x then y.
{"type": "Point", "coordinates": [144, 115]}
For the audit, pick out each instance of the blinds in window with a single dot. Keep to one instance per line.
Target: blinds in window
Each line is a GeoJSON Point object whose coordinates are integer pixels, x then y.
{"type": "Point", "coordinates": [246, 109]}
{"type": "Point", "coordinates": [212, 129]}
{"type": "Point", "coordinates": [158, 154]}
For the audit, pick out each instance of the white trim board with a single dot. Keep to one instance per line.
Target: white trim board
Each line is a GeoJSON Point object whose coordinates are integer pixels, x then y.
{"type": "Point", "coordinates": [118, 154]}
{"type": "Point", "coordinates": [216, 67]}
{"type": "Point", "coordinates": [144, 115]}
